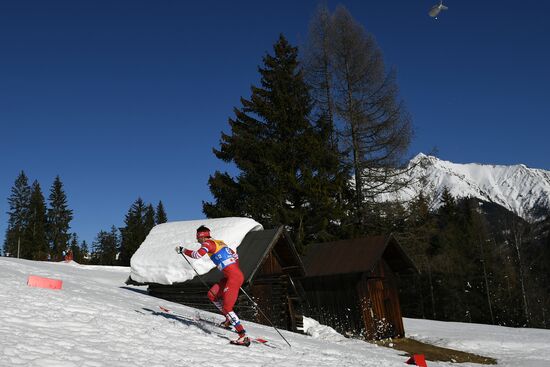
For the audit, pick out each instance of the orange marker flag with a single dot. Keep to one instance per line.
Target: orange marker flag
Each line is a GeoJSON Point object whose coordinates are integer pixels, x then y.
{"type": "Point", "coordinates": [41, 282]}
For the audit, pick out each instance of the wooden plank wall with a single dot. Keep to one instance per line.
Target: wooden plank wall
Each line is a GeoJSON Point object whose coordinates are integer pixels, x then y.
{"type": "Point", "coordinates": [380, 303]}
{"type": "Point", "coordinates": [392, 304]}
{"type": "Point", "coordinates": [333, 301]}
{"type": "Point", "coordinates": [277, 296]}
{"type": "Point", "coordinates": [270, 293]}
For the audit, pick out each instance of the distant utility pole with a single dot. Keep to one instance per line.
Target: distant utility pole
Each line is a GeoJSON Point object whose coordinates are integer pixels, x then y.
{"type": "Point", "coordinates": [18, 246]}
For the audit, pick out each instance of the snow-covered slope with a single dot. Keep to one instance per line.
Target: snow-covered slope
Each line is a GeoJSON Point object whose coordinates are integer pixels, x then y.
{"type": "Point", "coordinates": [517, 188]}
{"type": "Point", "coordinates": [155, 261]}
{"type": "Point", "coordinates": [96, 321]}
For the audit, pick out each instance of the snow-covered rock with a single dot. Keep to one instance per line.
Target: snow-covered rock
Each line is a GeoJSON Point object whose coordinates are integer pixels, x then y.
{"type": "Point", "coordinates": [156, 260]}
{"type": "Point", "coordinates": [517, 188]}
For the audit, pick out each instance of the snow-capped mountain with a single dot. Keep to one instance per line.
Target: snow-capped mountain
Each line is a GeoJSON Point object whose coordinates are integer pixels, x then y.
{"type": "Point", "coordinates": [518, 188]}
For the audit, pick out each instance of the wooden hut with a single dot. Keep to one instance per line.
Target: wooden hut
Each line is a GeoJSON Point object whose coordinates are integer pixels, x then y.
{"type": "Point", "coordinates": [352, 286]}
{"type": "Point", "coordinates": [270, 264]}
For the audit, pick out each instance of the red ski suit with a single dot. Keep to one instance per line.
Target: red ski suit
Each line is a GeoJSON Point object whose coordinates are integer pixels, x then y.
{"type": "Point", "coordinates": [227, 290]}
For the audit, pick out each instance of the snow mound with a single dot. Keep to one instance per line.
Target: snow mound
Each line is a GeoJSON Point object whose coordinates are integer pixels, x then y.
{"type": "Point", "coordinates": [156, 261]}
{"type": "Point", "coordinates": [316, 330]}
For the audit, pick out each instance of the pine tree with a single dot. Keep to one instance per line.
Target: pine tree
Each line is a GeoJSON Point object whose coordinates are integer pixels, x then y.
{"type": "Point", "coordinates": [134, 231]}
{"type": "Point", "coordinates": [105, 247]}
{"type": "Point", "coordinates": [19, 206]}
{"type": "Point", "coordinates": [481, 249]}
{"type": "Point", "coordinates": [327, 193]}
{"type": "Point", "coordinates": [59, 219]}
{"type": "Point", "coordinates": [420, 229]}
{"type": "Point", "coordinates": [519, 233]}
{"type": "Point", "coordinates": [84, 252]}
{"type": "Point", "coordinates": [36, 231]}
{"type": "Point", "coordinates": [149, 218]}
{"type": "Point", "coordinates": [544, 262]}
{"type": "Point", "coordinates": [287, 167]}
{"type": "Point", "coordinates": [160, 214]}
{"type": "Point", "coordinates": [76, 249]}
{"type": "Point", "coordinates": [448, 209]}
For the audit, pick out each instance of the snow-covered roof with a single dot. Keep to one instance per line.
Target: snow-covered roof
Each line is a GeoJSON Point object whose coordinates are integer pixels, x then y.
{"type": "Point", "coordinates": [156, 260]}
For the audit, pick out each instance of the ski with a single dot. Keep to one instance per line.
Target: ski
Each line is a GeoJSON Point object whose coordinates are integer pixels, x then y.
{"type": "Point", "coordinates": [164, 309]}
{"type": "Point", "coordinates": [244, 344]}
{"type": "Point", "coordinates": [209, 322]}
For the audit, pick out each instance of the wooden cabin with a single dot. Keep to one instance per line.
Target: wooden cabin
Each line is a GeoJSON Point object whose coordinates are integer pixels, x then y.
{"type": "Point", "coordinates": [270, 264]}
{"type": "Point", "coordinates": [351, 285]}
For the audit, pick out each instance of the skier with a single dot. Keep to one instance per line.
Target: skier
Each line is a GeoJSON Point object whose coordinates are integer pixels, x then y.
{"type": "Point", "coordinates": [223, 294]}
{"type": "Point", "coordinates": [69, 256]}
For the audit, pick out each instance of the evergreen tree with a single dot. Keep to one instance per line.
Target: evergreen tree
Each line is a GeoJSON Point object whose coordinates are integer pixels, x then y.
{"type": "Point", "coordinates": [59, 219]}
{"type": "Point", "coordinates": [470, 250]}
{"type": "Point", "coordinates": [84, 252]}
{"type": "Point", "coordinates": [149, 219]}
{"type": "Point", "coordinates": [76, 249]}
{"type": "Point", "coordinates": [287, 166]}
{"type": "Point", "coordinates": [544, 266]}
{"type": "Point", "coordinates": [384, 217]}
{"type": "Point", "coordinates": [36, 231]}
{"type": "Point", "coordinates": [419, 231]}
{"type": "Point", "coordinates": [519, 238]}
{"type": "Point", "coordinates": [105, 247]}
{"type": "Point", "coordinates": [481, 248]}
{"type": "Point", "coordinates": [160, 214]}
{"type": "Point", "coordinates": [476, 266]}
{"type": "Point", "coordinates": [421, 227]}
{"type": "Point", "coordinates": [18, 221]}
{"type": "Point", "coordinates": [448, 205]}
{"type": "Point", "coordinates": [134, 231]}
{"type": "Point", "coordinates": [460, 276]}
{"type": "Point", "coordinates": [327, 193]}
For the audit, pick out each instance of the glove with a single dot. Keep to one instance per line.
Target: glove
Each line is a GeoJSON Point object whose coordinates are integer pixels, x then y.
{"type": "Point", "coordinates": [179, 249]}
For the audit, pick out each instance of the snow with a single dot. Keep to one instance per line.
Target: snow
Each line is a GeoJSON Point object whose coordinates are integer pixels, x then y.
{"type": "Point", "coordinates": [157, 262]}
{"type": "Point", "coordinates": [96, 321]}
{"type": "Point", "coordinates": [511, 346]}
{"type": "Point", "coordinates": [516, 187]}
{"type": "Point", "coordinates": [315, 329]}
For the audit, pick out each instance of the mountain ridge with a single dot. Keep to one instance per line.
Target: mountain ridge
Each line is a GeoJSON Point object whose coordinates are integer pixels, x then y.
{"type": "Point", "coordinates": [522, 190]}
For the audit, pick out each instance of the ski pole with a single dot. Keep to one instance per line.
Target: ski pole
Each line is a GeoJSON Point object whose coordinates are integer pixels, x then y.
{"type": "Point", "coordinates": [263, 314]}
{"type": "Point", "coordinates": [200, 278]}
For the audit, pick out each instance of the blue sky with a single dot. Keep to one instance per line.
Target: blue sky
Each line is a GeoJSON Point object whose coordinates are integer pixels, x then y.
{"type": "Point", "coordinates": [126, 99]}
